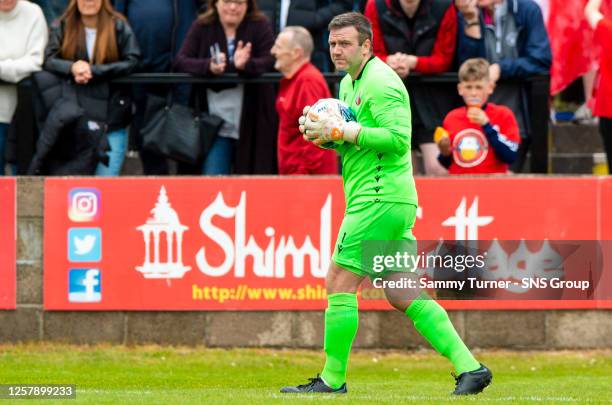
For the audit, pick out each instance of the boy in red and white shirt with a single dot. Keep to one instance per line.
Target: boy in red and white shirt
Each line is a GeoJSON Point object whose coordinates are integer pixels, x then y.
{"type": "Point", "coordinates": [481, 137]}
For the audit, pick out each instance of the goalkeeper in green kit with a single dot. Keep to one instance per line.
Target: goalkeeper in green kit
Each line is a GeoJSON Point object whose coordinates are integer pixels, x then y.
{"type": "Point", "coordinates": [381, 203]}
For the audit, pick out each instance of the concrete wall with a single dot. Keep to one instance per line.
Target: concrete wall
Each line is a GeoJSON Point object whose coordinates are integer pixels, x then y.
{"type": "Point", "coordinates": [484, 329]}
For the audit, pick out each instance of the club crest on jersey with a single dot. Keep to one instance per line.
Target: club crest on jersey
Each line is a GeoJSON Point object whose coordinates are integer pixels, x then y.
{"type": "Point", "coordinates": [358, 99]}
{"type": "Point", "coordinates": [470, 147]}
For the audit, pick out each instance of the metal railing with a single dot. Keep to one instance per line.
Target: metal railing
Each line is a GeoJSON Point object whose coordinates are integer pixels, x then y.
{"type": "Point", "coordinates": [537, 89]}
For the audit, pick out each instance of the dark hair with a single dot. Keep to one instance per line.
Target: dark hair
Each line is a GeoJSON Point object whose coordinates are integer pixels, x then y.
{"type": "Point", "coordinates": [474, 69]}
{"type": "Point", "coordinates": [353, 19]}
{"type": "Point", "coordinates": [211, 15]}
{"type": "Point", "coordinates": [105, 49]}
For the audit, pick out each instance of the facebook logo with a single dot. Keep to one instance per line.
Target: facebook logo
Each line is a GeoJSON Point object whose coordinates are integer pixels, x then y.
{"type": "Point", "coordinates": [85, 285]}
{"type": "Point", "coordinates": [84, 244]}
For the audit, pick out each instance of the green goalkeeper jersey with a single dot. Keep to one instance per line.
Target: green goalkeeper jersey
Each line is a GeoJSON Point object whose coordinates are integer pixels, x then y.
{"type": "Point", "coordinates": [379, 167]}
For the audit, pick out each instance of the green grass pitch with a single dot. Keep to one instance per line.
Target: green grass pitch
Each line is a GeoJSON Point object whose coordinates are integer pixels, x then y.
{"type": "Point", "coordinates": [180, 375]}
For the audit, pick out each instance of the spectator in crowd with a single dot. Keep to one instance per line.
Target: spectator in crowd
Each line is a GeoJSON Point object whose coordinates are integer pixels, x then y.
{"type": "Point", "coordinates": [23, 37]}
{"type": "Point", "coordinates": [243, 37]}
{"type": "Point", "coordinates": [414, 35]}
{"type": "Point", "coordinates": [359, 5]}
{"type": "Point", "coordinates": [314, 15]}
{"type": "Point", "coordinates": [419, 36]}
{"type": "Point", "coordinates": [480, 137]}
{"type": "Point", "coordinates": [302, 85]}
{"type": "Point", "coordinates": [160, 27]}
{"type": "Point", "coordinates": [92, 44]}
{"type": "Point", "coordinates": [509, 33]}
{"type": "Point", "coordinates": [512, 36]}
{"type": "Point", "coordinates": [603, 101]}
{"type": "Point", "coordinates": [52, 8]}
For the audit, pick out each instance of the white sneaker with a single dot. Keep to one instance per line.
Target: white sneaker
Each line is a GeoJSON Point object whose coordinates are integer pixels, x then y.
{"type": "Point", "coordinates": [584, 115]}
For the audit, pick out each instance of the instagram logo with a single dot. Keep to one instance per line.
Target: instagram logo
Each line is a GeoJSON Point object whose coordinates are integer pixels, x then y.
{"type": "Point", "coordinates": [84, 204]}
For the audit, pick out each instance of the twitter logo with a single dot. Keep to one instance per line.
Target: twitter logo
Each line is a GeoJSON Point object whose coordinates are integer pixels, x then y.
{"type": "Point", "coordinates": [84, 244]}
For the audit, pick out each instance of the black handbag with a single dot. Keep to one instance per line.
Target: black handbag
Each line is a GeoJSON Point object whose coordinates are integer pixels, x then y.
{"type": "Point", "coordinates": [176, 131]}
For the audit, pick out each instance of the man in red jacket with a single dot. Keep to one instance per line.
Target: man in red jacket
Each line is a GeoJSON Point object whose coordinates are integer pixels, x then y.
{"type": "Point", "coordinates": [302, 85]}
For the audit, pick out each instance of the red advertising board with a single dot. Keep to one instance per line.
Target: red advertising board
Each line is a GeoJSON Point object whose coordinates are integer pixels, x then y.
{"type": "Point", "coordinates": [265, 243]}
{"type": "Point", "coordinates": [7, 243]}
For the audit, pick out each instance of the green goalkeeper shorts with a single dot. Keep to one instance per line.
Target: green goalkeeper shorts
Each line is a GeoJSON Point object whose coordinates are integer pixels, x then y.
{"type": "Point", "coordinates": [376, 221]}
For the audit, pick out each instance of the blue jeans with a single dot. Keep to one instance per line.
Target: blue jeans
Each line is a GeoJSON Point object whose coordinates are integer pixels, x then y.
{"type": "Point", "coordinates": [3, 135]}
{"type": "Point", "coordinates": [118, 144]}
{"type": "Point", "coordinates": [220, 157]}
{"type": "Point", "coordinates": [3, 132]}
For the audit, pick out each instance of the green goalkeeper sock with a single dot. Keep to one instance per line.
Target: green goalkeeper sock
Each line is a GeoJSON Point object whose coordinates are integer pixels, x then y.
{"type": "Point", "coordinates": [431, 320]}
{"type": "Point", "coordinates": [341, 321]}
